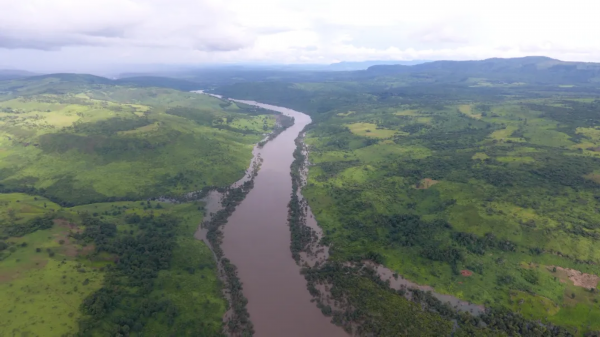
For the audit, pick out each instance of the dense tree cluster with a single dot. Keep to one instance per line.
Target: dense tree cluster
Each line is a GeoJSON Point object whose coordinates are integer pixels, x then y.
{"type": "Point", "coordinates": [283, 123]}
{"type": "Point", "coordinates": [122, 304]}
{"type": "Point", "coordinates": [479, 245]}
{"type": "Point", "coordinates": [301, 235]}
{"type": "Point", "coordinates": [240, 322]}
{"type": "Point", "coordinates": [110, 126]}
{"type": "Point", "coordinates": [35, 224]}
{"type": "Point", "coordinates": [200, 116]}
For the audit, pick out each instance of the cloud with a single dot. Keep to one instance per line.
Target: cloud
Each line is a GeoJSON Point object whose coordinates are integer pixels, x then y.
{"type": "Point", "coordinates": [50, 25]}
{"type": "Point", "coordinates": [65, 33]}
{"type": "Point", "coordinates": [48, 42]}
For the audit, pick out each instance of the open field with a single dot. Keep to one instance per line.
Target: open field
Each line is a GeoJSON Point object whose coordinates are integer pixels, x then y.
{"type": "Point", "coordinates": [124, 143]}
{"type": "Point", "coordinates": [491, 218]}
{"type": "Point", "coordinates": [70, 260]}
{"type": "Point", "coordinates": [47, 275]}
{"type": "Point", "coordinates": [478, 193]}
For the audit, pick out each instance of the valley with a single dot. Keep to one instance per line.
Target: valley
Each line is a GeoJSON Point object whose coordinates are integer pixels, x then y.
{"type": "Point", "coordinates": [407, 189]}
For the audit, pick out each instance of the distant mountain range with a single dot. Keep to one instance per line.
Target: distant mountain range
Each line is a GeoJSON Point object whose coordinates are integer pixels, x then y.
{"type": "Point", "coordinates": [494, 71]}
{"type": "Point", "coordinates": [10, 74]}
{"type": "Point", "coordinates": [349, 66]}
{"type": "Point", "coordinates": [179, 71]}
{"type": "Point", "coordinates": [530, 69]}
{"type": "Point", "coordinates": [64, 83]}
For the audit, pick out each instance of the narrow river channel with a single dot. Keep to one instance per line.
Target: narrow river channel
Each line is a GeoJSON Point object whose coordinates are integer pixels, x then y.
{"type": "Point", "coordinates": [257, 240]}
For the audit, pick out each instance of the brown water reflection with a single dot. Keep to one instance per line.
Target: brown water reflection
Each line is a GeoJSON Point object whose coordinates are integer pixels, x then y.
{"type": "Point", "coordinates": [257, 240]}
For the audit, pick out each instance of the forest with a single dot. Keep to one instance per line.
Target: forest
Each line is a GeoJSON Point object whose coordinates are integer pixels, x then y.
{"type": "Point", "coordinates": [488, 193]}
{"type": "Point", "coordinates": [100, 185]}
{"type": "Point", "coordinates": [473, 182]}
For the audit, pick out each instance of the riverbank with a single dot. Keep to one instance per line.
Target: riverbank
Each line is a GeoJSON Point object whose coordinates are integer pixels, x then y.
{"type": "Point", "coordinates": [258, 220]}
{"type": "Point", "coordinates": [266, 291]}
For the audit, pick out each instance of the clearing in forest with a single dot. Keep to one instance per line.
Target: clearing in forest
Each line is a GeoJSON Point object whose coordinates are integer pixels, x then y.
{"type": "Point", "coordinates": [370, 130]}
{"type": "Point", "coordinates": [579, 279]}
{"type": "Point", "coordinates": [480, 156]}
{"type": "Point", "coordinates": [595, 177]}
{"type": "Point", "coordinates": [426, 183]}
{"type": "Point", "coordinates": [467, 110]}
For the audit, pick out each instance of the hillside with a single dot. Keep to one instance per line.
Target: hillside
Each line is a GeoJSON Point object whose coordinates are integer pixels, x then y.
{"type": "Point", "coordinates": [533, 69]}
{"type": "Point", "coordinates": [10, 74]}
{"type": "Point", "coordinates": [74, 83]}
{"type": "Point", "coordinates": [102, 141]}
{"type": "Point", "coordinates": [84, 246]}
{"type": "Point", "coordinates": [465, 182]}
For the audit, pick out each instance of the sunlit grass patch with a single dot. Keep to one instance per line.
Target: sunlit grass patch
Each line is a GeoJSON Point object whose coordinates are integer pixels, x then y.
{"type": "Point", "coordinates": [391, 150]}
{"type": "Point", "coordinates": [480, 156]}
{"type": "Point", "coordinates": [424, 120]}
{"type": "Point", "coordinates": [258, 124]}
{"type": "Point", "coordinates": [426, 183]}
{"type": "Point", "coordinates": [43, 282]}
{"type": "Point", "coordinates": [371, 130]}
{"type": "Point", "coordinates": [503, 134]}
{"type": "Point", "coordinates": [45, 301]}
{"type": "Point", "coordinates": [545, 137]}
{"type": "Point", "coordinates": [331, 156]}
{"type": "Point", "coordinates": [19, 207]}
{"type": "Point", "coordinates": [531, 305]}
{"type": "Point", "coordinates": [468, 111]}
{"type": "Point", "coordinates": [595, 177]}
{"type": "Point", "coordinates": [591, 133]}
{"type": "Point", "coordinates": [99, 157]}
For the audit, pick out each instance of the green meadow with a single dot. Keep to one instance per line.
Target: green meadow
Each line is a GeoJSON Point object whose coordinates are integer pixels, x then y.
{"type": "Point", "coordinates": [47, 275]}
{"type": "Point", "coordinates": [124, 143]}
{"type": "Point", "coordinates": [489, 202]}
{"type": "Point", "coordinates": [83, 250]}
{"type": "Point", "coordinates": [489, 193]}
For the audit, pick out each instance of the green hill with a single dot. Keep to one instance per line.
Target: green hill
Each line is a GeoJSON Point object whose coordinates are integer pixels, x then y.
{"type": "Point", "coordinates": [97, 142]}
{"type": "Point", "coordinates": [83, 250]}
{"type": "Point", "coordinates": [478, 179]}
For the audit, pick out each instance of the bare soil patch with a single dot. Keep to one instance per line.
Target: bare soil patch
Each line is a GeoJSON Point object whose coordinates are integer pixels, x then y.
{"type": "Point", "coordinates": [466, 272]}
{"type": "Point", "coordinates": [578, 278]}
{"type": "Point", "coordinates": [593, 177]}
{"type": "Point", "coordinates": [66, 224]}
{"type": "Point", "coordinates": [35, 263]}
{"type": "Point", "coordinates": [426, 183]}
{"type": "Point", "coordinates": [69, 247]}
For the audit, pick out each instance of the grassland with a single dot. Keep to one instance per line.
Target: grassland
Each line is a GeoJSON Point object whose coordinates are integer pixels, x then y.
{"type": "Point", "coordinates": [46, 275]}
{"type": "Point", "coordinates": [79, 160]}
{"type": "Point", "coordinates": [77, 149]}
{"type": "Point", "coordinates": [504, 190]}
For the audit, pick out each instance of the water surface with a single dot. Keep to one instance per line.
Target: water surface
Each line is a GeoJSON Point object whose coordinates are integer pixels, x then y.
{"type": "Point", "coordinates": [257, 240]}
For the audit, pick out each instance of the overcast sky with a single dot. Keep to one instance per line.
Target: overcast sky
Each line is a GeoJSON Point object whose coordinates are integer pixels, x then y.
{"type": "Point", "coordinates": [82, 35]}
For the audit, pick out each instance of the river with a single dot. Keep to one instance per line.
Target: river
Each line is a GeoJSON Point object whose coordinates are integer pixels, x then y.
{"type": "Point", "coordinates": [257, 240]}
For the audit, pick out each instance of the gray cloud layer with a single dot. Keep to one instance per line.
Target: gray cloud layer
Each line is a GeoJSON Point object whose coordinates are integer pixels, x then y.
{"type": "Point", "coordinates": [73, 33]}
{"type": "Point", "coordinates": [50, 25]}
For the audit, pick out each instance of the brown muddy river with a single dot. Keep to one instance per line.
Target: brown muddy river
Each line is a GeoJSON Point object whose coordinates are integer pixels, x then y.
{"type": "Point", "coordinates": [257, 240]}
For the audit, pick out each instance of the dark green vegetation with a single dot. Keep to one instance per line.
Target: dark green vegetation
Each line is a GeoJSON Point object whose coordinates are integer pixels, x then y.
{"type": "Point", "coordinates": [239, 323]}
{"type": "Point", "coordinates": [158, 267]}
{"type": "Point", "coordinates": [132, 268]}
{"type": "Point", "coordinates": [82, 249]}
{"type": "Point", "coordinates": [485, 188]}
